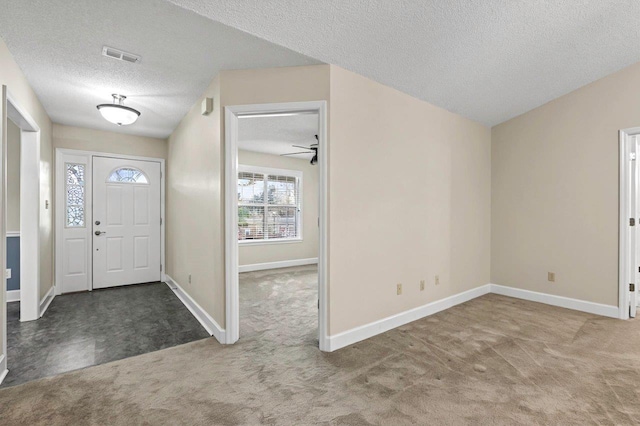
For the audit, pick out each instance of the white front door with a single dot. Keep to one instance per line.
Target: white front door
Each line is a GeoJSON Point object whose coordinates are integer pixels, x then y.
{"type": "Point", "coordinates": [126, 222]}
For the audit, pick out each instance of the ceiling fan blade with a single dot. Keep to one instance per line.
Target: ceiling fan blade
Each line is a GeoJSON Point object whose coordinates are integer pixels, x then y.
{"type": "Point", "coordinates": [298, 146]}
{"type": "Point", "coordinates": [297, 153]}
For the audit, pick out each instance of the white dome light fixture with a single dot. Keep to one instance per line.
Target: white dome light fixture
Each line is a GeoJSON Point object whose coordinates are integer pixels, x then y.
{"type": "Point", "coordinates": [117, 113]}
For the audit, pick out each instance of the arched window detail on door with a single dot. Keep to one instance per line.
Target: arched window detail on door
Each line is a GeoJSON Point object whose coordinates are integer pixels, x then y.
{"type": "Point", "coordinates": [128, 175]}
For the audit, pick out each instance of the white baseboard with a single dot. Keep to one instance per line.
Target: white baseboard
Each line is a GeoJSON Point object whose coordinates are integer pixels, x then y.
{"type": "Point", "coordinates": [201, 315]}
{"type": "Point", "coordinates": [3, 368]}
{"type": "Point", "coordinates": [46, 300]}
{"type": "Point", "coordinates": [560, 301]}
{"type": "Point", "coordinates": [13, 296]}
{"type": "Point", "coordinates": [276, 265]}
{"type": "Point", "coordinates": [366, 331]}
{"type": "Point", "coordinates": [357, 334]}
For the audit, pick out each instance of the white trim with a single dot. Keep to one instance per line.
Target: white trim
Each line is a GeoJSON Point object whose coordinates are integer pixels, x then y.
{"type": "Point", "coordinates": [207, 321]}
{"type": "Point", "coordinates": [30, 206]}
{"type": "Point", "coordinates": [560, 301]}
{"type": "Point", "coordinates": [626, 249]}
{"type": "Point", "coordinates": [46, 300]}
{"type": "Point", "coordinates": [29, 225]}
{"type": "Point", "coordinates": [59, 216]}
{"type": "Point", "coordinates": [3, 368]}
{"type": "Point", "coordinates": [3, 227]}
{"type": "Point", "coordinates": [13, 234]}
{"type": "Point", "coordinates": [277, 265]}
{"type": "Point", "coordinates": [366, 331]}
{"type": "Point", "coordinates": [232, 293]}
{"type": "Point", "coordinates": [273, 241]}
{"type": "Point", "coordinates": [269, 170]}
{"type": "Point", "coordinates": [232, 301]}
{"type": "Point", "coordinates": [13, 295]}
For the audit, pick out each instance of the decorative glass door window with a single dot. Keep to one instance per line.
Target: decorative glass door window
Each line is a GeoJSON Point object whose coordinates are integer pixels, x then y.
{"type": "Point", "coordinates": [269, 204]}
{"type": "Point", "coordinates": [127, 175]}
{"type": "Point", "coordinates": [75, 195]}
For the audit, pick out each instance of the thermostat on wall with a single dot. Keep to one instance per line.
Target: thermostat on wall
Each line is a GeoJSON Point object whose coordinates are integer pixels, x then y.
{"type": "Point", "coordinates": [207, 106]}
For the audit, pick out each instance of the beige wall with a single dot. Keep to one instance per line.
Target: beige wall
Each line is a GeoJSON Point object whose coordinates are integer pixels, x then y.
{"type": "Point", "coordinates": [251, 254]}
{"type": "Point", "coordinates": [430, 168]}
{"type": "Point", "coordinates": [195, 219]}
{"type": "Point", "coordinates": [555, 191]}
{"type": "Point", "coordinates": [195, 238]}
{"type": "Point", "coordinates": [12, 77]}
{"type": "Point", "coordinates": [409, 195]}
{"type": "Point", "coordinates": [13, 177]}
{"type": "Point", "coordinates": [110, 142]}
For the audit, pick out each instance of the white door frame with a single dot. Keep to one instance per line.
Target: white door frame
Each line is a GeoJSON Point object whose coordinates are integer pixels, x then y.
{"type": "Point", "coordinates": [232, 297]}
{"type": "Point", "coordinates": [10, 108]}
{"type": "Point", "coordinates": [60, 204]}
{"type": "Point", "coordinates": [627, 254]}
{"type": "Point", "coordinates": [30, 306]}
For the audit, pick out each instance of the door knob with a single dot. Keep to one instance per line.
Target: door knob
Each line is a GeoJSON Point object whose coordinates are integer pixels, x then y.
{"type": "Point", "coordinates": [98, 233]}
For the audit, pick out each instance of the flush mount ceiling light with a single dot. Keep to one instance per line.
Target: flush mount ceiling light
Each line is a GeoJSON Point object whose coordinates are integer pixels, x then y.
{"type": "Point", "coordinates": [117, 113]}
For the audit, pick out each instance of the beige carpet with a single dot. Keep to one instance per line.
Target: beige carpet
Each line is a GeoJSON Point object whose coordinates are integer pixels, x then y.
{"type": "Point", "coordinates": [493, 360]}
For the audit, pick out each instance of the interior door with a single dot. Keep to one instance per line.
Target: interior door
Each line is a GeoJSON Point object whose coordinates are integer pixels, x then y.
{"type": "Point", "coordinates": [126, 222]}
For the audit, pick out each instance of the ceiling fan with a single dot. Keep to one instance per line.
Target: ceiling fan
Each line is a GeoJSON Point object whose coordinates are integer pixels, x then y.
{"type": "Point", "coordinates": [311, 149]}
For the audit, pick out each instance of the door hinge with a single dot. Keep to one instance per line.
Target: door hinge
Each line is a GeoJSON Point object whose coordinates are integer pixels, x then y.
{"type": "Point", "coordinates": [160, 221]}
{"type": "Point", "coordinates": [632, 221]}
{"type": "Point", "coordinates": [632, 287]}
{"type": "Point", "coordinates": [632, 156]}
{"type": "Point", "coordinates": [160, 268]}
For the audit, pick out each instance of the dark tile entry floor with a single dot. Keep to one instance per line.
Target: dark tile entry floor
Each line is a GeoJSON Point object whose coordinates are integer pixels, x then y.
{"type": "Point", "coordinates": [84, 329]}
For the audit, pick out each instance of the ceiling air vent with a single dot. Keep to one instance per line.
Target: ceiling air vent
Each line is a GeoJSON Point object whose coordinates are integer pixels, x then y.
{"type": "Point", "coordinates": [120, 55]}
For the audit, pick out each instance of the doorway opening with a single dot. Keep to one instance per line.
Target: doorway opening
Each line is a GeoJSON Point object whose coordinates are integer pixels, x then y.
{"type": "Point", "coordinates": [20, 224]}
{"type": "Point", "coordinates": [629, 237]}
{"type": "Point", "coordinates": [275, 217]}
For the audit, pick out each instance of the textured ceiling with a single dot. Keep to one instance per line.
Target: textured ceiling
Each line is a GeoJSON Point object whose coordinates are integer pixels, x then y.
{"type": "Point", "coordinates": [486, 60]}
{"type": "Point", "coordinates": [276, 135]}
{"type": "Point", "coordinates": [58, 45]}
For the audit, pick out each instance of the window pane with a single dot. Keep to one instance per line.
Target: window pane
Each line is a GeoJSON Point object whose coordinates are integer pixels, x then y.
{"type": "Point", "coordinates": [75, 195]}
{"type": "Point", "coordinates": [75, 216]}
{"type": "Point", "coordinates": [282, 190]}
{"type": "Point", "coordinates": [250, 223]}
{"type": "Point", "coordinates": [127, 175]}
{"type": "Point", "coordinates": [75, 174]}
{"type": "Point", "coordinates": [250, 188]}
{"type": "Point", "coordinates": [282, 222]}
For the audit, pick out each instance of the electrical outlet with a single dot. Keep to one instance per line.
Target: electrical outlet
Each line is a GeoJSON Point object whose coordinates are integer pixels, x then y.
{"type": "Point", "coordinates": [8, 274]}
{"type": "Point", "coordinates": [437, 279]}
{"type": "Point", "coordinates": [421, 285]}
{"type": "Point", "coordinates": [399, 289]}
{"type": "Point", "coordinates": [551, 276]}
{"type": "Point", "coordinates": [189, 278]}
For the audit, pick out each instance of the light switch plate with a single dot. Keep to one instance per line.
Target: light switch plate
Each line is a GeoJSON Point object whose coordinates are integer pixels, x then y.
{"type": "Point", "coordinates": [8, 274]}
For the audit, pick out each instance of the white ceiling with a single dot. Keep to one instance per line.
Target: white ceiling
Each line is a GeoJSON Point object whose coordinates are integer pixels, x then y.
{"type": "Point", "coordinates": [58, 45]}
{"type": "Point", "coordinates": [276, 135]}
{"type": "Point", "coordinates": [486, 60]}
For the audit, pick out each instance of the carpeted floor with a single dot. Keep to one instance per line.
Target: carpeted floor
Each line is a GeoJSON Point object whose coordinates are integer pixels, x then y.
{"type": "Point", "coordinates": [493, 360]}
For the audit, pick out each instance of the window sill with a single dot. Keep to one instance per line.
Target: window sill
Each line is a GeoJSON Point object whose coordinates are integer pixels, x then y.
{"type": "Point", "coordinates": [268, 242]}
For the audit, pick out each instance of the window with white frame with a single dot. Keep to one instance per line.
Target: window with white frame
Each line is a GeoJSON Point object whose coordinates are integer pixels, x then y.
{"type": "Point", "coordinates": [269, 204]}
{"type": "Point", "coordinates": [74, 185]}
